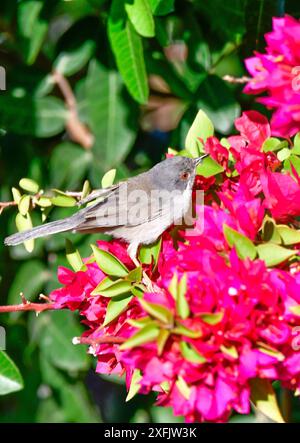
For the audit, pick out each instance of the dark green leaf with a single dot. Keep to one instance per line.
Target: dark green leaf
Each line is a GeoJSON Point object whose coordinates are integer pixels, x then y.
{"type": "Point", "coordinates": [128, 50]}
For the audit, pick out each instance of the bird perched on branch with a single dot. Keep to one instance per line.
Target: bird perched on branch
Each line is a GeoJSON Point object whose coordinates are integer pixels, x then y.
{"type": "Point", "coordinates": [137, 210]}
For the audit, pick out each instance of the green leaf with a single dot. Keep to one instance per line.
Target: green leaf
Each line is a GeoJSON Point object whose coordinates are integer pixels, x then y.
{"type": "Point", "coordinates": [109, 116]}
{"type": "Point", "coordinates": [10, 377]}
{"type": "Point", "coordinates": [157, 311]}
{"type": "Point", "coordinates": [73, 256]}
{"type": "Point", "coordinates": [212, 318]}
{"type": "Point", "coordinates": [209, 167]}
{"type": "Point", "coordinates": [41, 117]}
{"type": "Point", "coordinates": [145, 335]}
{"type": "Point", "coordinates": [182, 306]}
{"type": "Point", "coordinates": [149, 253]}
{"type": "Point", "coordinates": [128, 50]}
{"type": "Point", "coordinates": [244, 246]}
{"type": "Point", "coordinates": [16, 195]}
{"type": "Point", "coordinates": [140, 322]}
{"type": "Point", "coordinates": [180, 329]}
{"type": "Point", "coordinates": [162, 7]}
{"type": "Point", "coordinates": [63, 201]}
{"type": "Point", "coordinates": [296, 148]}
{"type": "Point", "coordinates": [24, 204]}
{"type": "Point", "coordinates": [115, 307]}
{"type": "Point", "coordinates": [29, 185]}
{"type": "Point", "coordinates": [173, 287]}
{"type": "Point", "coordinates": [140, 15]}
{"type": "Point", "coordinates": [183, 387]}
{"type": "Point", "coordinates": [264, 399]}
{"type": "Point", "coordinates": [295, 309]}
{"type": "Point", "coordinates": [68, 165]}
{"type": "Point", "coordinates": [118, 287]}
{"type": "Point", "coordinates": [274, 254]}
{"type": "Point", "coordinates": [32, 29]}
{"type": "Point", "coordinates": [108, 263]}
{"type": "Point", "coordinates": [134, 385]}
{"type": "Point", "coordinates": [135, 275]}
{"type": "Point", "coordinates": [294, 161]}
{"type": "Point", "coordinates": [202, 127]}
{"type": "Point", "coordinates": [108, 178]}
{"type": "Point", "coordinates": [23, 223]}
{"type": "Point", "coordinates": [289, 236]}
{"type": "Point", "coordinates": [231, 351]}
{"type": "Point", "coordinates": [162, 339]}
{"type": "Point", "coordinates": [56, 331]}
{"type": "Point", "coordinates": [283, 154]}
{"type": "Point", "coordinates": [269, 230]}
{"type": "Point", "coordinates": [190, 353]}
{"type": "Point", "coordinates": [44, 202]}
{"type": "Point", "coordinates": [70, 62]}
{"type": "Point", "coordinates": [272, 144]}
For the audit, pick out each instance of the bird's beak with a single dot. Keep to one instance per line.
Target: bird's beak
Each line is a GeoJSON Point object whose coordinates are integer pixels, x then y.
{"type": "Point", "coordinates": [198, 160]}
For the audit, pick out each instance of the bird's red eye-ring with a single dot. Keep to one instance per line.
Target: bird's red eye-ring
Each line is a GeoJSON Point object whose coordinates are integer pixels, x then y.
{"type": "Point", "coordinates": [184, 176]}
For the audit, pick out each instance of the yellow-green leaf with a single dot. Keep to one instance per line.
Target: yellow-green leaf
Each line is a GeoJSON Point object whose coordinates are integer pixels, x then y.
{"type": "Point", "coordinates": [264, 399]}
{"type": "Point", "coordinates": [202, 127]}
{"type": "Point", "coordinates": [182, 306]}
{"type": "Point", "coordinates": [147, 334]}
{"type": "Point", "coordinates": [115, 307]}
{"type": "Point", "coordinates": [16, 194]}
{"type": "Point", "coordinates": [134, 385]}
{"type": "Point", "coordinates": [64, 201]}
{"type": "Point", "coordinates": [162, 338]}
{"type": "Point", "coordinates": [274, 254]}
{"type": "Point", "coordinates": [118, 287]}
{"type": "Point", "coordinates": [108, 263]}
{"type": "Point", "coordinates": [212, 318]}
{"type": "Point", "coordinates": [29, 185]}
{"type": "Point", "coordinates": [73, 256]}
{"type": "Point", "coordinates": [23, 223]}
{"type": "Point", "coordinates": [108, 178]}
{"type": "Point", "coordinates": [183, 387]}
{"type": "Point", "coordinates": [190, 353]}
{"type": "Point", "coordinates": [135, 275]}
{"type": "Point", "coordinates": [180, 329]}
{"type": "Point", "coordinates": [289, 236]}
{"type": "Point", "coordinates": [243, 245]}
{"type": "Point", "coordinates": [157, 311]}
{"type": "Point", "coordinates": [24, 204]}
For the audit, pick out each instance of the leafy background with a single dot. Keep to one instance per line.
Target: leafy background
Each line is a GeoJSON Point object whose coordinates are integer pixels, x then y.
{"type": "Point", "coordinates": [93, 85]}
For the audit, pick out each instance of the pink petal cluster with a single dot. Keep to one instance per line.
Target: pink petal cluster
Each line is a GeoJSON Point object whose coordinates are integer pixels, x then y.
{"type": "Point", "coordinates": [240, 324]}
{"type": "Point", "coordinates": [277, 73]}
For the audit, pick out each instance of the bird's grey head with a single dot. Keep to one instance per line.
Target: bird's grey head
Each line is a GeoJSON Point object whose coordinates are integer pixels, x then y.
{"type": "Point", "coordinates": [175, 173]}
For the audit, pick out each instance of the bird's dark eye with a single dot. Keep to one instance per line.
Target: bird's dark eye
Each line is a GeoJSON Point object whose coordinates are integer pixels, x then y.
{"type": "Point", "coordinates": [184, 176]}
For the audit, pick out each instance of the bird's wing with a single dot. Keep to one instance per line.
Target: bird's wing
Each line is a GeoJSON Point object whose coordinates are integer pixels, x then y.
{"type": "Point", "coordinates": [103, 193]}
{"type": "Point", "coordinates": [118, 210]}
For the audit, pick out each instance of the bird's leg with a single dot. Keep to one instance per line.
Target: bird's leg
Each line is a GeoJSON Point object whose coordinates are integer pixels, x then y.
{"type": "Point", "coordinates": [132, 252]}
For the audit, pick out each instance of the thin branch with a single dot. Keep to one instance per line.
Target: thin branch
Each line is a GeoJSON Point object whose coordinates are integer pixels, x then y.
{"type": "Point", "coordinates": [76, 129]}
{"type": "Point", "coordinates": [27, 306]}
{"type": "Point", "coordinates": [4, 205]}
{"type": "Point", "coordinates": [109, 339]}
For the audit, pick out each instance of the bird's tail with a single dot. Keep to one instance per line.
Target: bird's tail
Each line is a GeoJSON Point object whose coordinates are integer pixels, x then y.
{"type": "Point", "coordinates": [54, 227]}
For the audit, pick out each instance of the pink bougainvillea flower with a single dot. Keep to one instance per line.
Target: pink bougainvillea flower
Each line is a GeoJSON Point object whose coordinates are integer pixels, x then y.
{"type": "Point", "coordinates": [217, 319]}
{"type": "Point", "coordinates": [277, 74]}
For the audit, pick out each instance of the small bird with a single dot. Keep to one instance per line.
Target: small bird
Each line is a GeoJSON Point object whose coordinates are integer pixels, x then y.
{"type": "Point", "coordinates": [137, 210]}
